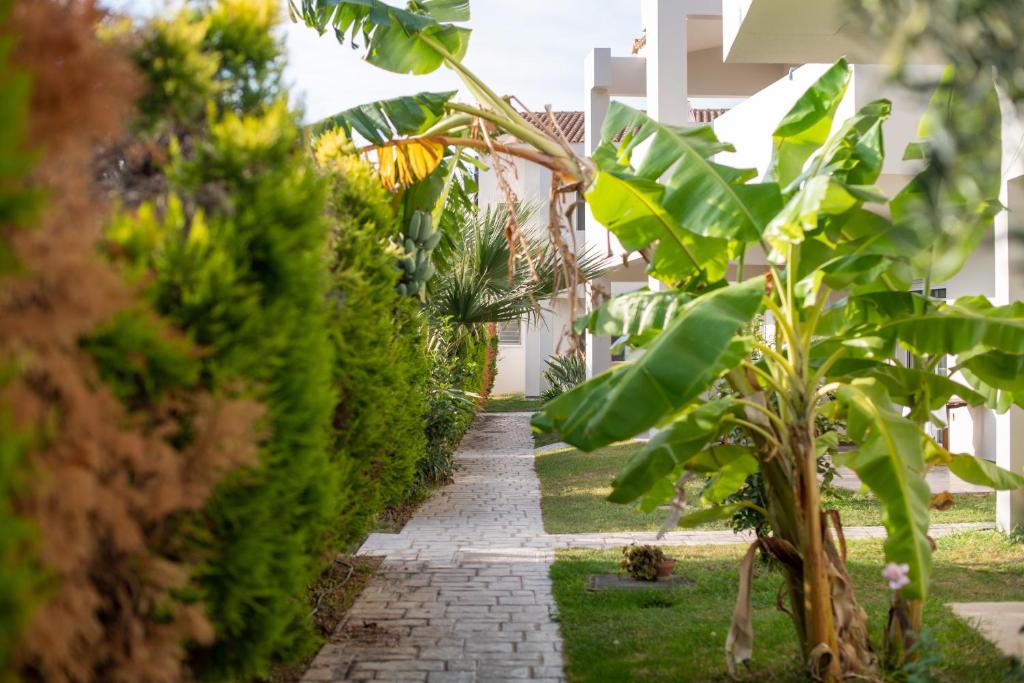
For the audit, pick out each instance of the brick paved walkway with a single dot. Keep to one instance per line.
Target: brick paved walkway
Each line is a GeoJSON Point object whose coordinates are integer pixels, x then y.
{"type": "Point", "coordinates": [463, 593]}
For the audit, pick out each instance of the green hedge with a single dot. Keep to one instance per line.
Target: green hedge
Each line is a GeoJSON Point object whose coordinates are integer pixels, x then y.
{"type": "Point", "coordinates": [379, 338]}
{"type": "Point", "coordinates": [236, 250]}
{"type": "Point", "coordinates": [282, 276]}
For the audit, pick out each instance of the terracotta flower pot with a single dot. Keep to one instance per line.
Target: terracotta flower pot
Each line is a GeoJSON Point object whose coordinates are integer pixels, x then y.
{"type": "Point", "coordinates": [665, 569]}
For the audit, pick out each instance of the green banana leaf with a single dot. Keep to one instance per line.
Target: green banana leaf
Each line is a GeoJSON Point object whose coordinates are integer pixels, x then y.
{"type": "Point", "coordinates": [704, 197]}
{"type": "Point", "coordinates": [680, 364]}
{"type": "Point", "coordinates": [983, 473]}
{"type": "Point", "coordinates": [966, 324]}
{"type": "Point", "coordinates": [631, 208]}
{"type": "Point", "coordinates": [634, 313]}
{"type": "Point", "coordinates": [395, 39]}
{"type": "Point", "coordinates": [891, 463]}
{"type": "Point", "coordinates": [906, 386]}
{"type": "Point", "coordinates": [837, 183]}
{"type": "Point", "coordinates": [670, 449]}
{"type": "Point", "coordinates": [997, 369]}
{"type": "Point", "coordinates": [806, 127]}
{"type": "Point", "coordinates": [730, 466]}
{"type": "Point", "coordinates": [385, 120]}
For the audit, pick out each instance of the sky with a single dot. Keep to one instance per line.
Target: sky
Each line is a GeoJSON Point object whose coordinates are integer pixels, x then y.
{"type": "Point", "coordinates": [533, 49]}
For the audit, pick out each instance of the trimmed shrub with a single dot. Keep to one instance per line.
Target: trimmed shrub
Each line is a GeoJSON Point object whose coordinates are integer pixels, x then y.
{"type": "Point", "coordinates": [379, 337]}
{"type": "Point", "coordinates": [235, 256]}
{"type": "Point", "coordinates": [99, 591]}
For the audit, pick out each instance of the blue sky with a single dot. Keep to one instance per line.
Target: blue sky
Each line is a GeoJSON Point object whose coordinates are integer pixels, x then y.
{"type": "Point", "coordinates": [533, 49]}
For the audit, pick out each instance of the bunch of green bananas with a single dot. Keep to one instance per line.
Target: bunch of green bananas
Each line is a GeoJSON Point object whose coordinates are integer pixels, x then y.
{"type": "Point", "coordinates": [417, 267]}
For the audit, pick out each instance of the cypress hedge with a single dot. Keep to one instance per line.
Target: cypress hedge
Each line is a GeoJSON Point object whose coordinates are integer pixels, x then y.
{"type": "Point", "coordinates": [246, 405]}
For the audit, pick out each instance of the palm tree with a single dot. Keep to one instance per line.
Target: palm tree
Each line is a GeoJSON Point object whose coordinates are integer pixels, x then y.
{"type": "Point", "coordinates": [485, 281]}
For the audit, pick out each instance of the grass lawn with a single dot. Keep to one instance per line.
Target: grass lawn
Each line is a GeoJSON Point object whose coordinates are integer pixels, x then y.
{"type": "Point", "coordinates": [512, 403]}
{"type": "Point", "coordinates": [679, 635]}
{"type": "Point", "coordinates": [574, 486]}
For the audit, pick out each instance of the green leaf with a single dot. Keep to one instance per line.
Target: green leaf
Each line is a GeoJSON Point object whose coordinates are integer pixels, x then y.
{"type": "Point", "coordinates": [808, 124]}
{"type": "Point", "coordinates": [704, 197]}
{"type": "Point", "coordinates": [631, 208]}
{"type": "Point", "coordinates": [906, 386]}
{"type": "Point", "coordinates": [997, 369]}
{"type": "Point", "coordinates": [891, 463]}
{"type": "Point", "coordinates": [634, 313]}
{"type": "Point", "coordinates": [677, 367]}
{"type": "Point", "coordinates": [396, 39]}
{"type": "Point", "coordinates": [385, 120]}
{"type": "Point", "coordinates": [447, 10]}
{"type": "Point", "coordinates": [712, 514]}
{"type": "Point", "coordinates": [670, 448]}
{"type": "Point", "coordinates": [983, 473]}
{"type": "Point", "coordinates": [967, 323]}
{"type": "Point", "coordinates": [730, 464]}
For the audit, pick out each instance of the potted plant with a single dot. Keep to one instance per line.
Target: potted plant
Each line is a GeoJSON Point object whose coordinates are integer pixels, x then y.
{"type": "Point", "coordinates": [647, 563]}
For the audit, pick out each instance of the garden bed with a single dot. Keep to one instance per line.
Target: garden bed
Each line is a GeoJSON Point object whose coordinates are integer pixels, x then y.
{"type": "Point", "coordinates": [574, 486]}
{"type": "Point", "coordinates": [334, 592]}
{"type": "Point", "coordinates": [679, 635]}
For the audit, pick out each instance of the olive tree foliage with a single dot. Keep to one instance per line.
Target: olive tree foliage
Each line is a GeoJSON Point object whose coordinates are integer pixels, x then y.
{"type": "Point", "coordinates": [837, 289]}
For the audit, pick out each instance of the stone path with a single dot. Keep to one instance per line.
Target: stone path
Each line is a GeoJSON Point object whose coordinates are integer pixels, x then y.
{"type": "Point", "coordinates": [463, 593]}
{"type": "Point", "coordinates": [1000, 622]}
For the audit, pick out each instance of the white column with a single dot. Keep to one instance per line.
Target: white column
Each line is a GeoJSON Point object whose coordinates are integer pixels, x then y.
{"type": "Point", "coordinates": [1009, 287]}
{"type": "Point", "coordinates": [667, 90]}
{"type": "Point", "coordinates": [596, 98]}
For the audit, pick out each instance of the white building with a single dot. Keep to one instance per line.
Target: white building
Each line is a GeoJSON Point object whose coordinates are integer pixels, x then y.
{"type": "Point", "coordinates": [758, 50]}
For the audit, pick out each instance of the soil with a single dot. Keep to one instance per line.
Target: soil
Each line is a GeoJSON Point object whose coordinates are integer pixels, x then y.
{"type": "Point", "coordinates": [330, 598]}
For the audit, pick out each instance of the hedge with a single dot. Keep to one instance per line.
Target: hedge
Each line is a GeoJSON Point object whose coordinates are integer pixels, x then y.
{"type": "Point", "coordinates": [238, 392]}
{"type": "Point", "coordinates": [95, 479]}
{"type": "Point", "coordinates": [379, 338]}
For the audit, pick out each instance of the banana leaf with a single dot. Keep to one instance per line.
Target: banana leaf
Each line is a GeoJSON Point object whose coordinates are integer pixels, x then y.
{"type": "Point", "coordinates": [395, 39]}
{"type": "Point", "coordinates": [634, 313]}
{"type": "Point", "coordinates": [704, 197]}
{"type": "Point", "coordinates": [384, 120]}
{"type": "Point", "coordinates": [680, 364]}
{"type": "Point", "coordinates": [631, 208]}
{"type": "Point", "coordinates": [890, 461]}
{"type": "Point", "coordinates": [806, 127]}
{"type": "Point", "coordinates": [670, 449]}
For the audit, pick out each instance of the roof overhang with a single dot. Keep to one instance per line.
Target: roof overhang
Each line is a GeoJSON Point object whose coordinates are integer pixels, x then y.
{"type": "Point", "coordinates": [793, 32]}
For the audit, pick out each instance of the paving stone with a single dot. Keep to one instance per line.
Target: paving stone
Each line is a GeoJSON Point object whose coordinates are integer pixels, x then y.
{"type": "Point", "coordinates": [463, 592]}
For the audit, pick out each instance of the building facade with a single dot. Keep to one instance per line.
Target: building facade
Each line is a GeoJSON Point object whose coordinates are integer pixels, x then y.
{"type": "Point", "coordinates": [754, 51]}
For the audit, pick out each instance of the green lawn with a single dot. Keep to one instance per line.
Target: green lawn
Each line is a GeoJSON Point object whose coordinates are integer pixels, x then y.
{"type": "Point", "coordinates": [512, 403]}
{"type": "Point", "coordinates": [679, 635]}
{"type": "Point", "coordinates": [574, 486]}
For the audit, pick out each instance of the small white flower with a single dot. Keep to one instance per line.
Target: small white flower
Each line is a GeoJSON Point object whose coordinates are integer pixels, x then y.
{"type": "Point", "coordinates": [896, 575]}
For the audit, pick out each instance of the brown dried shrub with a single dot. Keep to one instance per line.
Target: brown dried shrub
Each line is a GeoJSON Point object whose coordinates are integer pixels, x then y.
{"type": "Point", "coordinates": [108, 486]}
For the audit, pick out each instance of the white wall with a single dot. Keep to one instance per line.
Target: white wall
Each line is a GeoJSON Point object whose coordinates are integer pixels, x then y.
{"type": "Point", "coordinates": [521, 367]}
{"type": "Point", "coordinates": [511, 377]}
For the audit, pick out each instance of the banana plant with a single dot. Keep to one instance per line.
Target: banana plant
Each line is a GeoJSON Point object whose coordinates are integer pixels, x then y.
{"type": "Point", "coordinates": [837, 288]}
{"type": "Point", "coordinates": [408, 133]}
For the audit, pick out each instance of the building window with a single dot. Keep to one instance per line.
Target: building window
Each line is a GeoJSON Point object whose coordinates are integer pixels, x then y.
{"type": "Point", "coordinates": [510, 332]}
{"type": "Point", "coordinates": [581, 213]}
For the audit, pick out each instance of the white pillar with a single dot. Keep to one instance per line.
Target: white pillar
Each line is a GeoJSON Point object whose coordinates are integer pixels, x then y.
{"type": "Point", "coordinates": [667, 90]}
{"type": "Point", "coordinates": [598, 351]}
{"type": "Point", "coordinates": [596, 98]}
{"type": "Point", "coordinates": [1009, 287]}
